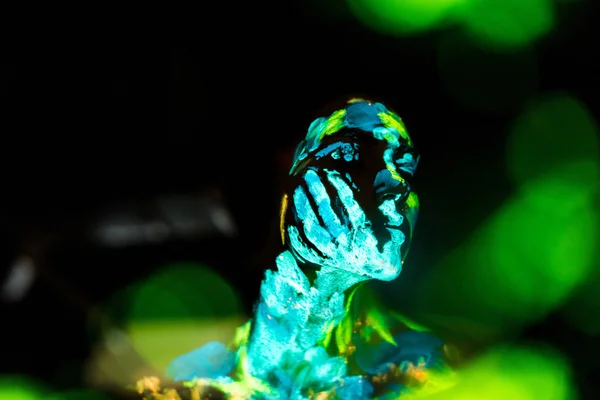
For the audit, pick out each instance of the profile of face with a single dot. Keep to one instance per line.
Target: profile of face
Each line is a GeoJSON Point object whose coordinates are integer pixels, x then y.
{"type": "Point", "coordinates": [348, 203]}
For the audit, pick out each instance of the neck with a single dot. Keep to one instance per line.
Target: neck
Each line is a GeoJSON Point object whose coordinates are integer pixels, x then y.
{"type": "Point", "coordinates": [294, 314]}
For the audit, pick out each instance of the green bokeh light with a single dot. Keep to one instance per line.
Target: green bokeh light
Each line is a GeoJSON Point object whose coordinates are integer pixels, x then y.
{"type": "Point", "coordinates": [178, 309]}
{"type": "Point", "coordinates": [506, 23]}
{"type": "Point", "coordinates": [183, 292]}
{"type": "Point", "coordinates": [482, 79]}
{"type": "Point", "coordinates": [517, 373]}
{"type": "Point", "coordinates": [524, 261]}
{"type": "Point", "coordinates": [400, 17]}
{"type": "Point", "coordinates": [555, 144]}
{"type": "Point", "coordinates": [583, 308]}
{"type": "Point", "coordinates": [553, 130]}
{"type": "Point", "coordinates": [13, 387]}
{"type": "Point", "coordinates": [535, 250]}
{"type": "Point", "coordinates": [542, 243]}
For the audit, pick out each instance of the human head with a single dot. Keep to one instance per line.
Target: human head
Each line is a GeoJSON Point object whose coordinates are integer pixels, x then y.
{"type": "Point", "coordinates": [349, 204]}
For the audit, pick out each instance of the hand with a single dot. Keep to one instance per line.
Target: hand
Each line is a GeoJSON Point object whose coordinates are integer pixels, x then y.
{"type": "Point", "coordinates": [342, 240]}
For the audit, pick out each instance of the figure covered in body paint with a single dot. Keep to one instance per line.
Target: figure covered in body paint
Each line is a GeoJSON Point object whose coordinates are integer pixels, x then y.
{"type": "Point", "coordinates": [347, 217]}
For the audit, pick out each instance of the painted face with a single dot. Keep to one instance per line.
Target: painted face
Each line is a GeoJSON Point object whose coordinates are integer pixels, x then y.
{"type": "Point", "coordinates": [349, 204]}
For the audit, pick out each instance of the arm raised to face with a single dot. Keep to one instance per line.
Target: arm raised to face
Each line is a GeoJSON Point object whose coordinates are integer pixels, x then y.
{"type": "Point", "coordinates": [349, 203]}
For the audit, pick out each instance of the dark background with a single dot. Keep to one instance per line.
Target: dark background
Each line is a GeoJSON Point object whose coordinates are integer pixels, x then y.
{"type": "Point", "coordinates": [118, 108]}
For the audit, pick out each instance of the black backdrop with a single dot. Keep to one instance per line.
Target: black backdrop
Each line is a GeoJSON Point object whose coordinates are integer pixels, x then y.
{"type": "Point", "coordinates": [112, 106]}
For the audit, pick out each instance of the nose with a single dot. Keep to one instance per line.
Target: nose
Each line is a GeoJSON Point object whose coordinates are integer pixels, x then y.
{"type": "Point", "coordinates": [388, 187]}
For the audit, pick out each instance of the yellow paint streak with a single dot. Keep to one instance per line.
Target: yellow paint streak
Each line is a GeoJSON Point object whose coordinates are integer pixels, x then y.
{"type": "Point", "coordinates": [282, 211]}
{"type": "Point", "coordinates": [395, 173]}
{"type": "Point", "coordinates": [393, 121]}
{"type": "Point", "coordinates": [334, 123]}
{"type": "Point", "coordinates": [358, 100]}
{"type": "Point", "coordinates": [242, 333]}
{"type": "Point", "coordinates": [300, 166]}
{"type": "Point", "coordinates": [245, 382]}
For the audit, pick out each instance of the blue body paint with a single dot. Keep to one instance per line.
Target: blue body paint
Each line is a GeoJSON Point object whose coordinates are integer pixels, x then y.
{"type": "Point", "coordinates": [350, 215]}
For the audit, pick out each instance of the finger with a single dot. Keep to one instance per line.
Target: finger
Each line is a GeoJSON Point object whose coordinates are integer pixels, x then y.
{"type": "Point", "coordinates": [388, 208]}
{"type": "Point", "coordinates": [356, 214]}
{"type": "Point", "coordinates": [299, 246]}
{"type": "Point", "coordinates": [321, 197]}
{"type": "Point", "coordinates": [315, 233]}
